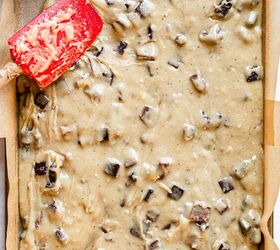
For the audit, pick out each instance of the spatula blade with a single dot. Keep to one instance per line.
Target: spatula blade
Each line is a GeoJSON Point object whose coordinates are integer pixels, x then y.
{"type": "Point", "coordinates": [53, 41]}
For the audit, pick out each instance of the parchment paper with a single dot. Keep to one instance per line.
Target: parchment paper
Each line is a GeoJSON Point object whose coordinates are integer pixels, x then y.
{"type": "Point", "coordinates": [13, 13]}
{"type": "Point", "coordinates": [8, 127]}
{"type": "Point", "coordinates": [271, 116]}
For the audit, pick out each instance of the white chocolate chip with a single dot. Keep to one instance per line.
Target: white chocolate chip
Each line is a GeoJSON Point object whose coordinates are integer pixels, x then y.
{"type": "Point", "coordinates": [96, 92]}
{"type": "Point", "coordinates": [131, 158]}
{"type": "Point", "coordinates": [145, 8]}
{"type": "Point", "coordinates": [148, 52]}
{"type": "Point", "coordinates": [181, 39]}
{"type": "Point", "coordinates": [212, 36]}
{"type": "Point", "coordinates": [68, 132]}
{"type": "Point", "coordinates": [221, 245]}
{"type": "Point", "coordinates": [244, 4]}
{"type": "Point", "coordinates": [199, 82]}
{"type": "Point", "coordinates": [149, 115]}
{"type": "Point", "coordinates": [189, 132]}
{"type": "Point", "coordinates": [245, 34]}
{"type": "Point", "coordinates": [150, 172]}
{"type": "Point", "coordinates": [222, 205]}
{"type": "Point", "coordinates": [252, 18]}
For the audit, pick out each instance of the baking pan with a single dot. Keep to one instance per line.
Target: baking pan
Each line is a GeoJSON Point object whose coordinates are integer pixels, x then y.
{"type": "Point", "coordinates": [15, 13]}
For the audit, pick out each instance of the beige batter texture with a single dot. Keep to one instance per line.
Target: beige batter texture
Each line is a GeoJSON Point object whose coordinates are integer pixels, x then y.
{"type": "Point", "coordinates": [153, 139]}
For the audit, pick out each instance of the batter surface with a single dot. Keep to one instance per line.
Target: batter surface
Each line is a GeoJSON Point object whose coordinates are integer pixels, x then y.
{"type": "Point", "coordinates": [153, 139]}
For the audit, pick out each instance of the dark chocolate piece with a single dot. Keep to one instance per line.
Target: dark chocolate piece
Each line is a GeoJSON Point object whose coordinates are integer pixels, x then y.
{"type": "Point", "coordinates": [122, 46]}
{"type": "Point", "coordinates": [129, 163]}
{"type": "Point", "coordinates": [40, 168]}
{"type": "Point", "coordinates": [154, 245]}
{"type": "Point", "coordinates": [177, 193]}
{"type": "Point", "coordinates": [96, 51]}
{"type": "Point", "coordinates": [200, 214]}
{"type": "Point", "coordinates": [226, 184]}
{"type": "Point", "coordinates": [41, 100]}
{"type": "Point", "coordinates": [50, 184]}
{"type": "Point", "coordinates": [112, 169]}
{"type": "Point", "coordinates": [148, 194]}
{"type": "Point", "coordinates": [105, 135]}
{"type": "Point", "coordinates": [253, 77]}
{"type": "Point", "coordinates": [167, 226]}
{"type": "Point", "coordinates": [135, 232]}
{"type": "Point", "coordinates": [152, 216]}
{"type": "Point", "coordinates": [223, 8]}
{"type": "Point", "coordinates": [52, 176]}
{"type": "Point", "coordinates": [150, 32]}
{"type": "Point", "coordinates": [132, 177]}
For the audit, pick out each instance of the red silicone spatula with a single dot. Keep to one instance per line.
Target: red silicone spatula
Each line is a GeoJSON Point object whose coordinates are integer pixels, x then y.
{"type": "Point", "coordinates": [52, 42]}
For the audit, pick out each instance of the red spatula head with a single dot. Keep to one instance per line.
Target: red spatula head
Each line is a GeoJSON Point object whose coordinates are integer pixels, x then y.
{"type": "Point", "coordinates": [53, 41]}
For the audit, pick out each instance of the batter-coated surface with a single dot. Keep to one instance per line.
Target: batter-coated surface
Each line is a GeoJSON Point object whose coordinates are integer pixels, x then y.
{"type": "Point", "coordinates": [153, 139]}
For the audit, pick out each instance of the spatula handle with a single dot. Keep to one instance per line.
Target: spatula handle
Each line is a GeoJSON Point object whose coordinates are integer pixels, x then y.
{"type": "Point", "coordinates": [10, 71]}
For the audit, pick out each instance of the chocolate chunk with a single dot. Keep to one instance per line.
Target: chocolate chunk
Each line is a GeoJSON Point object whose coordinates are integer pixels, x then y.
{"type": "Point", "coordinates": [61, 235]}
{"type": "Point", "coordinates": [39, 220]}
{"type": "Point", "coordinates": [244, 225]}
{"type": "Point", "coordinates": [150, 32]}
{"type": "Point", "coordinates": [255, 235]}
{"type": "Point", "coordinates": [194, 242]}
{"type": "Point", "coordinates": [203, 226]}
{"type": "Point", "coordinates": [149, 115]}
{"type": "Point", "coordinates": [154, 245]}
{"type": "Point", "coordinates": [254, 73]}
{"type": "Point", "coordinates": [152, 216]}
{"type": "Point", "coordinates": [223, 8]}
{"type": "Point", "coordinates": [53, 166]}
{"type": "Point", "coordinates": [40, 168]}
{"type": "Point", "coordinates": [176, 194]}
{"type": "Point", "coordinates": [52, 176]}
{"type": "Point", "coordinates": [97, 52]}
{"type": "Point", "coordinates": [221, 245]}
{"type": "Point", "coordinates": [128, 163]}
{"type": "Point", "coordinates": [146, 224]}
{"type": "Point", "coordinates": [222, 205]}
{"type": "Point", "coordinates": [148, 194]}
{"type": "Point", "coordinates": [112, 168]}
{"type": "Point", "coordinates": [131, 159]}
{"type": "Point", "coordinates": [133, 177]}
{"type": "Point", "coordinates": [122, 203]}
{"type": "Point", "coordinates": [151, 74]}
{"type": "Point", "coordinates": [104, 230]}
{"type": "Point", "coordinates": [109, 2]}
{"type": "Point", "coordinates": [41, 100]}
{"type": "Point", "coordinates": [135, 232]}
{"type": "Point", "coordinates": [226, 184]}
{"type": "Point", "coordinates": [122, 46]}
{"type": "Point", "coordinates": [145, 8]}
{"type": "Point", "coordinates": [167, 226]}
{"type": "Point", "coordinates": [53, 206]}
{"type": "Point", "coordinates": [200, 213]}
{"type": "Point", "coordinates": [253, 77]}
{"type": "Point", "coordinates": [50, 184]}
{"type": "Point", "coordinates": [105, 135]}
{"type": "Point", "coordinates": [110, 76]}
{"type": "Point", "coordinates": [174, 63]}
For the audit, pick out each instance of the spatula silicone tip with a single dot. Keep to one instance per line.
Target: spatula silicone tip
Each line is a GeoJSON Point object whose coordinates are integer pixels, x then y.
{"type": "Point", "coordinates": [53, 41]}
